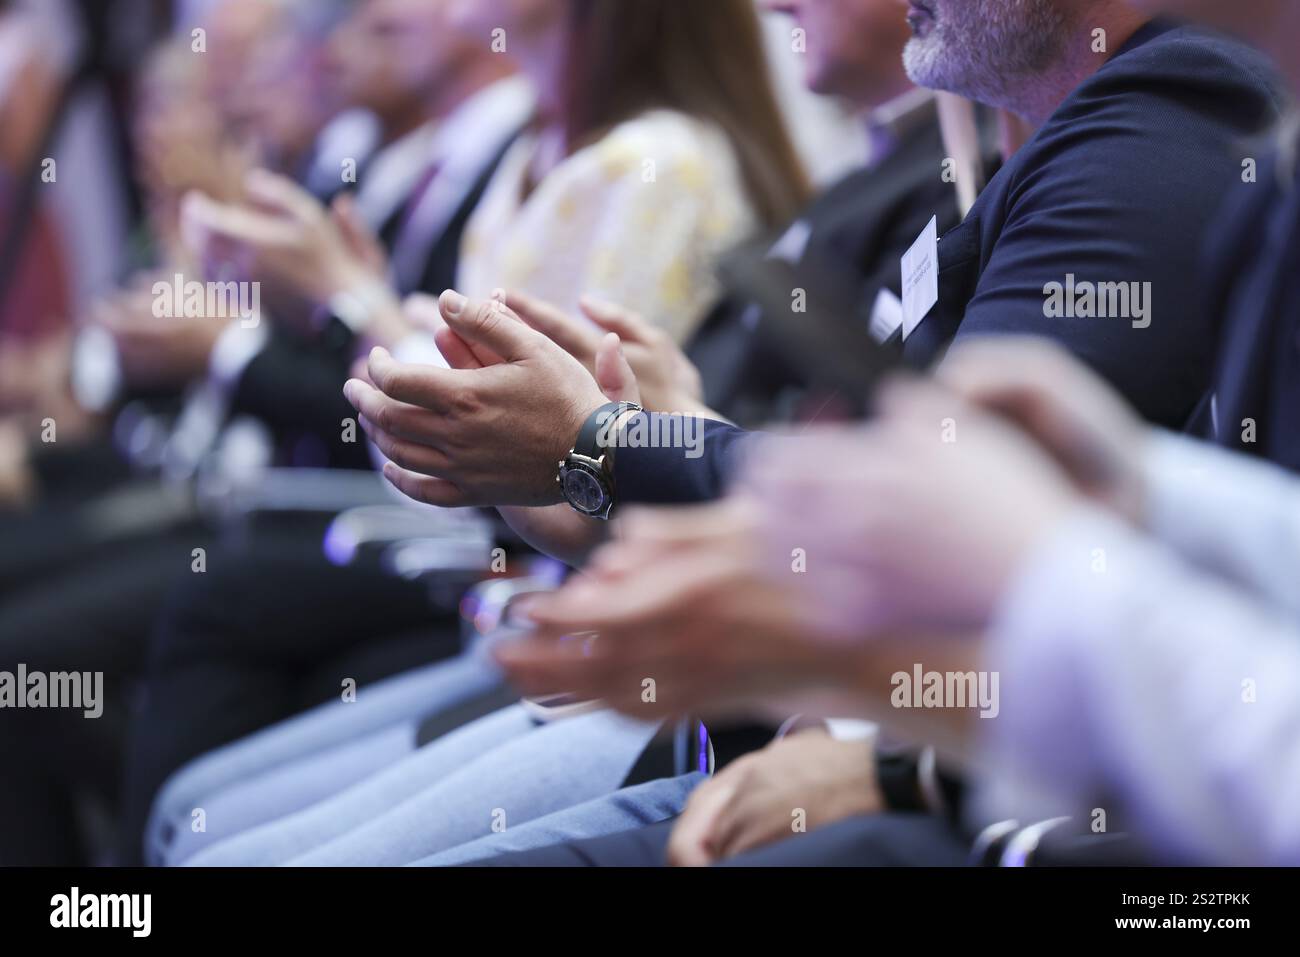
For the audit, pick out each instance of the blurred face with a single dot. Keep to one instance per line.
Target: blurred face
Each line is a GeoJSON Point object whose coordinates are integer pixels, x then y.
{"type": "Point", "coordinates": [984, 49]}
{"type": "Point", "coordinates": [239, 34]}
{"type": "Point", "coordinates": [391, 52]}
{"type": "Point", "coordinates": [854, 48]}
{"type": "Point", "coordinates": [524, 21]}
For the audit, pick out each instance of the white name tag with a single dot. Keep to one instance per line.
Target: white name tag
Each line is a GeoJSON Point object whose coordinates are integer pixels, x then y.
{"type": "Point", "coordinates": [921, 277]}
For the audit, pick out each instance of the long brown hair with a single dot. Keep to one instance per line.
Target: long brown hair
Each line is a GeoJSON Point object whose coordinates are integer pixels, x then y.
{"type": "Point", "coordinates": [704, 58]}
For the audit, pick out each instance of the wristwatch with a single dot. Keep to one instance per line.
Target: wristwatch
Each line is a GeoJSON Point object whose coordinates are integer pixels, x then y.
{"type": "Point", "coordinates": [587, 473]}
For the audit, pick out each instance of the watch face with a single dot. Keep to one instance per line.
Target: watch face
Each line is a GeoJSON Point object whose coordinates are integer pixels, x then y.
{"type": "Point", "coordinates": [583, 491]}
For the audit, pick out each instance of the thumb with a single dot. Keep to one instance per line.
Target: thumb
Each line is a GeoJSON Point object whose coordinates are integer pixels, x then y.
{"type": "Point", "coordinates": [489, 324]}
{"type": "Point", "coordinates": [692, 843]}
{"type": "Point", "coordinates": [613, 374]}
{"type": "Point", "coordinates": [278, 194]}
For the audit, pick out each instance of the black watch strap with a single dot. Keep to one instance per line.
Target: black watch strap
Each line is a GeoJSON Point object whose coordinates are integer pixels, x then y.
{"type": "Point", "coordinates": [899, 781]}
{"type": "Point", "coordinates": [588, 439]}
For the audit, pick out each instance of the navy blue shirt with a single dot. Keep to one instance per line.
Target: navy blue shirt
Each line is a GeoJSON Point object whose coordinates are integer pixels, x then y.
{"type": "Point", "coordinates": [1119, 186]}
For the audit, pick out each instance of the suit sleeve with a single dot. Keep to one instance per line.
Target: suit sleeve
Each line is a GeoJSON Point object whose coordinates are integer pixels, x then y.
{"type": "Point", "coordinates": [651, 471]}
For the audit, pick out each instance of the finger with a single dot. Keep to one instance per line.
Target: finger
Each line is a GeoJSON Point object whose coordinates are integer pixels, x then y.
{"type": "Point", "coordinates": [279, 193]}
{"type": "Point", "coordinates": [355, 231]}
{"type": "Point", "coordinates": [571, 336]}
{"type": "Point", "coordinates": [624, 323]}
{"type": "Point", "coordinates": [908, 399]}
{"type": "Point", "coordinates": [545, 665]}
{"type": "Point", "coordinates": [422, 311]}
{"type": "Point", "coordinates": [682, 525]}
{"type": "Point", "coordinates": [358, 240]}
{"type": "Point", "coordinates": [407, 422]}
{"type": "Point", "coordinates": [1028, 383]}
{"type": "Point", "coordinates": [455, 350]}
{"type": "Point", "coordinates": [428, 387]}
{"type": "Point", "coordinates": [659, 598]}
{"type": "Point", "coordinates": [412, 456]}
{"type": "Point", "coordinates": [491, 324]}
{"type": "Point", "coordinates": [741, 826]}
{"type": "Point", "coordinates": [613, 374]}
{"type": "Point", "coordinates": [990, 367]}
{"type": "Point", "coordinates": [421, 488]}
{"type": "Point", "coordinates": [691, 843]}
{"type": "Point", "coordinates": [232, 223]}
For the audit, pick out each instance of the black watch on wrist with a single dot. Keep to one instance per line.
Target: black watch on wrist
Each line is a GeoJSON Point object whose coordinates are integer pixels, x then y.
{"type": "Point", "coordinates": [587, 473]}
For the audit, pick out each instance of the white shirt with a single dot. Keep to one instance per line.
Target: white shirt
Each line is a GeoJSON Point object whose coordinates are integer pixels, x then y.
{"type": "Point", "coordinates": [1161, 673]}
{"type": "Point", "coordinates": [638, 218]}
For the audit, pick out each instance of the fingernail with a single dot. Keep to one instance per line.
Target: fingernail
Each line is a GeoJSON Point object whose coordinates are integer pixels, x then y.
{"type": "Point", "coordinates": [452, 303]}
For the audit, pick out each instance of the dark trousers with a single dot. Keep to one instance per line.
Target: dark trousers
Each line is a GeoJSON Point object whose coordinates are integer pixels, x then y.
{"type": "Point", "coordinates": [271, 629]}
{"type": "Point", "coordinates": [93, 617]}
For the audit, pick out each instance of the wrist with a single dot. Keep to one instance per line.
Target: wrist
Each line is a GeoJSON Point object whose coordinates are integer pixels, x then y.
{"type": "Point", "coordinates": [362, 302]}
{"type": "Point", "coordinates": [862, 794]}
{"type": "Point", "coordinates": [585, 476]}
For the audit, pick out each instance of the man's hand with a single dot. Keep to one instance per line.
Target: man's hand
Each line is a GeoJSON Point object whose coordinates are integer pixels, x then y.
{"type": "Point", "coordinates": [667, 380]}
{"type": "Point", "coordinates": [492, 435]}
{"type": "Point", "coordinates": [1067, 408]}
{"type": "Point", "coordinates": [166, 352]}
{"type": "Point", "coordinates": [288, 239]}
{"type": "Point", "coordinates": [804, 780]}
{"type": "Point", "coordinates": [685, 620]}
{"type": "Point", "coordinates": [920, 520]}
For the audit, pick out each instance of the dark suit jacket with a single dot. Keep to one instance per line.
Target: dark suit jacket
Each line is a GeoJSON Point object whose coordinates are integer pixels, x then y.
{"type": "Point", "coordinates": [1118, 186]}
{"type": "Point", "coordinates": [861, 226]}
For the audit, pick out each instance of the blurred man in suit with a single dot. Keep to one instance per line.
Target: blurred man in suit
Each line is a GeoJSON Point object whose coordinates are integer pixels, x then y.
{"type": "Point", "coordinates": [231, 654]}
{"type": "Point", "coordinates": [394, 59]}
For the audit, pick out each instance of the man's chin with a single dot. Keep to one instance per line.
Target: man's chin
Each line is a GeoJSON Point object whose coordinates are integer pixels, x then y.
{"type": "Point", "coordinates": [923, 58]}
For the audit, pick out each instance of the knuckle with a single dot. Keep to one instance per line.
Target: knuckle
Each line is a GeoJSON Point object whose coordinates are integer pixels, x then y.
{"type": "Point", "coordinates": [385, 417]}
{"type": "Point", "coordinates": [463, 401]}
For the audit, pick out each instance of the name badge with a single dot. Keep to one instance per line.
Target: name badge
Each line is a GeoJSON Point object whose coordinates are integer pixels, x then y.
{"type": "Point", "coordinates": [921, 277]}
